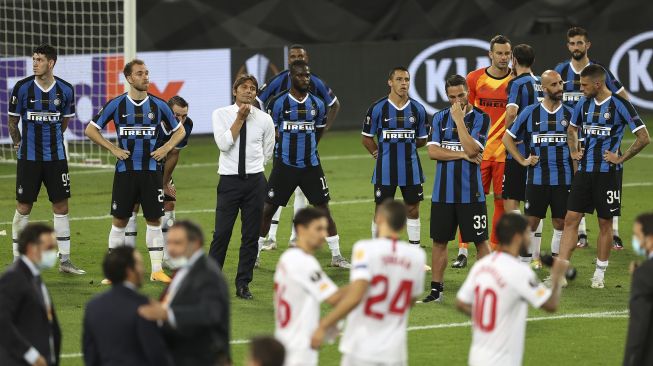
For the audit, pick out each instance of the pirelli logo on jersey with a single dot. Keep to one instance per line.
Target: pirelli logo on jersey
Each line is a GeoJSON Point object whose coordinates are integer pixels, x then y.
{"type": "Point", "coordinates": [597, 130]}
{"type": "Point", "coordinates": [298, 126]}
{"type": "Point", "coordinates": [549, 138]}
{"type": "Point", "coordinates": [571, 96]}
{"type": "Point", "coordinates": [44, 116]}
{"type": "Point", "coordinates": [453, 146]}
{"type": "Point", "coordinates": [398, 134]}
{"type": "Point", "coordinates": [138, 131]}
{"type": "Point", "coordinates": [491, 102]}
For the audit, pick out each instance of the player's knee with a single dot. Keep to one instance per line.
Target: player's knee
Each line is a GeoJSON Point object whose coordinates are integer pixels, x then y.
{"type": "Point", "coordinates": [558, 224]}
{"type": "Point", "coordinates": [119, 222]}
{"type": "Point", "coordinates": [412, 211]}
{"type": "Point", "coordinates": [24, 208]}
{"type": "Point", "coordinates": [572, 219]}
{"type": "Point", "coordinates": [60, 208]}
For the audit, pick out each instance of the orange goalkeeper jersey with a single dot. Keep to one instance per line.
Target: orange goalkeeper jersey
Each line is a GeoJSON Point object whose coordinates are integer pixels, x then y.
{"type": "Point", "coordinates": [491, 96]}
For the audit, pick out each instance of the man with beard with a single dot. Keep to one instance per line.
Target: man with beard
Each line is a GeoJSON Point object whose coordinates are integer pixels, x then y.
{"type": "Point", "coordinates": [543, 128]}
{"type": "Point", "coordinates": [578, 44]}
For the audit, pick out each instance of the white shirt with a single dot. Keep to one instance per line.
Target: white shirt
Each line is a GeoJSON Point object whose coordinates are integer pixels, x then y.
{"type": "Point", "coordinates": [500, 287]}
{"type": "Point", "coordinates": [376, 328]}
{"type": "Point", "coordinates": [176, 283]}
{"type": "Point", "coordinates": [300, 286]}
{"type": "Point", "coordinates": [260, 140]}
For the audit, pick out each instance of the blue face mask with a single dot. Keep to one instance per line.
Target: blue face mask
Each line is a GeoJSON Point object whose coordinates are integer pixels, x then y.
{"type": "Point", "coordinates": [637, 247]}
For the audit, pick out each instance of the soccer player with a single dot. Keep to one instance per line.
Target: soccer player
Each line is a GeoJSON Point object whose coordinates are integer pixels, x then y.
{"type": "Point", "coordinates": [317, 87]}
{"type": "Point", "coordinates": [385, 280]}
{"type": "Point", "coordinates": [300, 286]}
{"type": "Point", "coordinates": [578, 44]}
{"type": "Point", "coordinates": [299, 117]}
{"type": "Point", "coordinates": [525, 89]}
{"type": "Point", "coordinates": [458, 138]}
{"type": "Point", "coordinates": [543, 128]}
{"type": "Point", "coordinates": [399, 125]}
{"type": "Point", "coordinates": [137, 116]}
{"type": "Point", "coordinates": [603, 116]}
{"type": "Point", "coordinates": [44, 103]}
{"type": "Point", "coordinates": [496, 295]}
{"type": "Point", "coordinates": [179, 107]}
{"type": "Point", "coordinates": [488, 92]}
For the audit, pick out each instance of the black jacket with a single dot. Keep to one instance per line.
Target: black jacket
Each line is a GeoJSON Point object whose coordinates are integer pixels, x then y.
{"type": "Point", "coordinates": [639, 346]}
{"type": "Point", "coordinates": [201, 311]}
{"type": "Point", "coordinates": [115, 335]}
{"type": "Point", "coordinates": [24, 319]}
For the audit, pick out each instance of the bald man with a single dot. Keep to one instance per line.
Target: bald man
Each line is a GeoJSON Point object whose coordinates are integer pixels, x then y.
{"type": "Point", "coordinates": [543, 128]}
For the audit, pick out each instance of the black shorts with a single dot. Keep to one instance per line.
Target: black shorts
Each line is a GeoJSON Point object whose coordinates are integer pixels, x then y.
{"type": "Point", "coordinates": [53, 174]}
{"type": "Point", "coordinates": [540, 197]}
{"type": "Point", "coordinates": [132, 187]}
{"type": "Point", "coordinates": [514, 181]}
{"type": "Point", "coordinates": [284, 179]}
{"type": "Point", "coordinates": [471, 218]}
{"type": "Point", "coordinates": [168, 198]}
{"type": "Point", "coordinates": [412, 194]}
{"type": "Point", "coordinates": [598, 191]}
{"type": "Point", "coordinates": [620, 179]}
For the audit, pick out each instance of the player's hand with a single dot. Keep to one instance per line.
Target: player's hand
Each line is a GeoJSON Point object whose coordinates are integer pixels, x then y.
{"type": "Point", "coordinates": [375, 154]}
{"type": "Point", "coordinates": [577, 155]}
{"type": "Point", "coordinates": [457, 113]}
{"type": "Point", "coordinates": [243, 111]}
{"type": "Point", "coordinates": [318, 338]}
{"type": "Point", "coordinates": [531, 160]}
{"type": "Point", "coordinates": [154, 311]}
{"type": "Point", "coordinates": [40, 361]}
{"type": "Point", "coordinates": [16, 146]}
{"type": "Point", "coordinates": [170, 190]}
{"type": "Point", "coordinates": [120, 154]}
{"type": "Point", "coordinates": [476, 159]}
{"type": "Point", "coordinates": [611, 157]}
{"type": "Point", "coordinates": [160, 153]}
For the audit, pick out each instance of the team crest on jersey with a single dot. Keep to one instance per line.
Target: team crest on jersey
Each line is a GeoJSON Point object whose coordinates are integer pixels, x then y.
{"type": "Point", "coordinates": [20, 189]}
{"type": "Point", "coordinates": [368, 120]}
{"type": "Point", "coordinates": [378, 192]}
{"type": "Point", "coordinates": [316, 276]}
{"type": "Point", "coordinates": [150, 115]}
{"type": "Point", "coordinates": [564, 122]}
{"type": "Point", "coordinates": [271, 193]}
{"type": "Point", "coordinates": [14, 100]}
{"type": "Point", "coordinates": [607, 115]}
{"type": "Point", "coordinates": [411, 119]}
{"type": "Point", "coordinates": [114, 205]}
{"type": "Point", "coordinates": [56, 102]}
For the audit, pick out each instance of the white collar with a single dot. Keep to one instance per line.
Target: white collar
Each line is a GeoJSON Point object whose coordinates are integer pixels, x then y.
{"type": "Point", "coordinates": [571, 65]}
{"type": "Point", "coordinates": [596, 102]}
{"type": "Point", "coordinates": [551, 112]}
{"type": "Point", "coordinates": [48, 88]}
{"type": "Point", "coordinates": [397, 108]}
{"type": "Point", "coordinates": [32, 267]}
{"type": "Point", "coordinates": [298, 101]}
{"type": "Point", "coordinates": [137, 104]}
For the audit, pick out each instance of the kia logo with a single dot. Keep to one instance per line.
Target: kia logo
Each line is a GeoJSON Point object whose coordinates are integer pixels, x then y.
{"type": "Point", "coordinates": [431, 67]}
{"type": "Point", "coordinates": [631, 64]}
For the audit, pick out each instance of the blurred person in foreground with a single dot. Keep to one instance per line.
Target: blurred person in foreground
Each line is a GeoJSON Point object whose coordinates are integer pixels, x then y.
{"type": "Point", "coordinates": [265, 351]}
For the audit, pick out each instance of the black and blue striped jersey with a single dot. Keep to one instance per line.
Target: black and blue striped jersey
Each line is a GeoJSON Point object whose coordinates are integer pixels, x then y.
{"type": "Point", "coordinates": [524, 90]}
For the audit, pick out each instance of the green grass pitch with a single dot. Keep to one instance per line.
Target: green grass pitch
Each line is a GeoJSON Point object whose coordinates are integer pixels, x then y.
{"type": "Point", "coordinates": [589, 328]}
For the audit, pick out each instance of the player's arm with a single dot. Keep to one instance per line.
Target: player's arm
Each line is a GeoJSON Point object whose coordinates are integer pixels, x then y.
{"type": "Point", "coordinates": [171, 162]}
{"type": "Point", "coordinates": [64, 124]}
{"type": "Point", "coordinates": [334, 109]}
{"type": "Point", "coordinates": [369, 130]}
{"type": "Point", "coordinates": [420, 142]}
{"type": "Point", "coordinates": [557, 274]}
{"type": "Point", "coordinates": [337, 296]}
{"type": "Point", "coordinates": [510, 136]}
{"type": "Point", "coordinates": [93, 133]}
{"type": "Point", "coordinates": [321, 122]}
{"type": "Point", "coordinates": [642, 139]}
{"type": "Point", "coordinates": [437, 152]}
{"type": "Point", "coordinates": [14, 132]}
{"type": "Point", "coordinates": [160, 153]}
{"type": "Point", "coordinates": [511, 114]}
{"type": "Point", "coordinates": [464, 307]}
{"type": "Point", "coordinates": [472, 147]}
{"type": "Point", "coordinates": [370, 145]}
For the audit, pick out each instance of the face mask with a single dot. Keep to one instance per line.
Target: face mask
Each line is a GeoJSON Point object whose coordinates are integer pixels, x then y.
{"type": "Point", "coordinates": [176, 263]}
{"type": "Point", "coordinates": [637, 247]}
{"type": "Point", "coordinates": [48, 259]}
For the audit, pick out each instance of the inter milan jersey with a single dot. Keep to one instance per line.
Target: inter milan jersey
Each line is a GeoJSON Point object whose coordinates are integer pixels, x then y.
{"type": "Point", "coordinates": [524, 90]}
{"type": "Point", "coordinates": [545, 134]}
{"type": "Point", "coordinates": [137, 126]}
{"type": "Point", "coordinates": [571, 90]}
{"type": "Point", "coordinates": [603, 126]}
{"type": "Point", "coordinates": [282, 81]}
{"type": "Point", "coordinates": [397, 131]}
{"type": "Point", "coordinates": [42, 111]}
{"type": "Point", "coordinates": [458, 181]}
{"type": "Point", "coordinates": [297, 122]}
{"type": "Point", "coordinates": [188, 128]}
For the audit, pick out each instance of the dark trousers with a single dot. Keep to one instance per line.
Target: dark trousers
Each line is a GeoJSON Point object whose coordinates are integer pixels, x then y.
{"type": "Point", "coordinates": [246, 195]}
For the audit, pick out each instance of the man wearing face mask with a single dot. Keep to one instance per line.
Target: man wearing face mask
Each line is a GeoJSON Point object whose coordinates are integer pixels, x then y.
{"type": "Point", "coordinates": [30, 331]}
{"type": "Point", "coordinates": [114, 334]}
{"type": "Point", "coordinates": [194, 309]}
{"type": "Point", "coordinates": [638, 350]}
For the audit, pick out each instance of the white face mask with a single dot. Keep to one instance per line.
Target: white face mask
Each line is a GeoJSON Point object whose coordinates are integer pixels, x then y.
{"type": "Point", "coordinates": [176, 263]}
{"type": "Point", "coordinates": [48, 259]}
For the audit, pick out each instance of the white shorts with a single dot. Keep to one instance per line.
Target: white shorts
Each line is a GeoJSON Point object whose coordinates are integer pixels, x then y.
{"type": "Point", "coordinates": [351, 360]}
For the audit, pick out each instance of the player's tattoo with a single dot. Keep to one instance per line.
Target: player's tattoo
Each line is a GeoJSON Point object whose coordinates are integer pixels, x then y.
{"type": "Point", "coordinates": [572, 139]}
{"type": "Point", "coordinates": [637, 146]}
{"type": "Point", "coordinates": [13, 129]}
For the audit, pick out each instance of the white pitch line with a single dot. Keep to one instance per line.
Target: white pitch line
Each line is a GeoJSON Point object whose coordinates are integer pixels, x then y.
{"type": "Point", "coordinates": [332, 203]}
{"type": "Point", "coordinates": [603, 314]}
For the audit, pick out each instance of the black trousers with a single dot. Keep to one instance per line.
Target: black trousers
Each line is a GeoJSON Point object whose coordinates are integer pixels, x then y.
{"type": "Point", "coordinates": [246, 195]}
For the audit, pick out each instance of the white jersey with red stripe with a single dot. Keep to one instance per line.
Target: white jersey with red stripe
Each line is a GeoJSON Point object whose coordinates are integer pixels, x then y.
{"type": "Point", "coordinates": [499, 288]}
{"type": "Point", "coordinates": [300, 285]}
{"type": "Point", "coordinates": [376, 328]}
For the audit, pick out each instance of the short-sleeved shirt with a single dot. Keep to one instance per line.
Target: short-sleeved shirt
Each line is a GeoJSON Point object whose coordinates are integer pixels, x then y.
{"type": "Point", "coordinates": [396, 130]}
{"type": "Point", "coordinates": [376, 328]}
{"type": "Point", "coordinates": [490, 94]}
{"type": "Point", "coordinates": [282, 82]}
{"type": "Point", "coordinates": [545, 135]}
{"type": "Point", "coordinates": [300, 285]}
{"type": "Point", "coordinates": [499, 288]}
{"type": "Point", "coordinates": [571, 93]}
{"type": "Point", "coordinates": [42, 112]}
{"type": "Point", "coordinates": [458, 181]}
{"type": "Point", "coordinates": [297, 122]}
{"type": "Point", "coordinates": [138, 124]}
{"type": "Point", "coordinates": [602, 124]}
{"type": "Point", "coordinates": [524, 90]}
{"type": "Point", "coordinates": [188, 128]}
